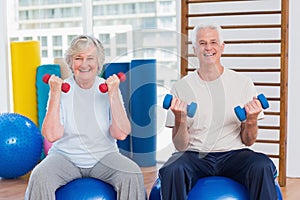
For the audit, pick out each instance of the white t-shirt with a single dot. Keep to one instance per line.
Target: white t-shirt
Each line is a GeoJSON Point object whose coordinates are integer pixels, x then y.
{"type": "Point", "coordinates": [85, 115]}
{"type": "Point", "coordinates": [215, 127]}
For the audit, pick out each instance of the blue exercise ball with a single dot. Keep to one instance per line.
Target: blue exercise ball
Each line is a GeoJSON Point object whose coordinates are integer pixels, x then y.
{"type": "Point", "coordinates": [86, 189]}
{"type": "Point", "coordinates": [279, 194]}
{"type": "Point", "coordinates": [21, 145]}
{"type": "Point", "coordinates": [212, 188]}
{"type": "Point", "coordinates": [218, 188]}
{"type": "Point", "coordinates": [155, 191]}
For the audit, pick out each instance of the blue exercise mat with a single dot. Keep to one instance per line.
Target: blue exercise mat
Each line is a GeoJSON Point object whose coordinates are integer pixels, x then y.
{"type": "Point", "coordinates": [143, 94]}
{"type": "Point", "coordinates": [43, 89]}
{"type": "Point", "coordinates": [114, 68]}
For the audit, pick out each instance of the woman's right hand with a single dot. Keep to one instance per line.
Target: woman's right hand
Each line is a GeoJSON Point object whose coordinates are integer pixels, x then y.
{"type": "Point", "coordinates": [55, 84]}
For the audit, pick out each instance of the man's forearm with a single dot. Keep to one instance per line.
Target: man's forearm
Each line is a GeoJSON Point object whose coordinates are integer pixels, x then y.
{"type": "Point", "coordinates": [180, 136]}
{"type": "Point", "coordinates": [249, 132]}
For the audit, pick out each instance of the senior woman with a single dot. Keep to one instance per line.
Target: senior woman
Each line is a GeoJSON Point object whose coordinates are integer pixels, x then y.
{"type": "Point", "coordinates": [83, 125]}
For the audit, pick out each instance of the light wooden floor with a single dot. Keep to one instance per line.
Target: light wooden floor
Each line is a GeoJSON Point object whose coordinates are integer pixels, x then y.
{"type": "Point", "coordinates": [14, 189]}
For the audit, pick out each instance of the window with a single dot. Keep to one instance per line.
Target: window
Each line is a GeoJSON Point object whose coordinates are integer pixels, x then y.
{"type": "Point", "coordinates": [104, 38]}
{"type": "Point", "coordinates": [99, 10]}
{"type": "Point", "coordinates": [121, 38]}
{"type": "Point", "coordinates": [122, 51]}
{"type": "Point", "coordinates": [149, 23]}
{"type": "Point", "coordinates": [129, 8]}
{"type": "Point", "coordinates": [166, 22]}
{"type": "Point", "coordinates": [23, 15]}
{"type": "Point", "coordinates": [57, 40]}
{"type": "Point", "coordinates": [57, 53]}
{"type": "Point", "coordinates": [149, 52]}
{"type": "Point", "coordinates": [113, 9]}
{"type": "Point", "coordinates": [70, 38]}
{"type": "Point", "coordinates": [148, 7]}
{"type": "Point", "coordinates": [167, 6]}
{"type": "Point", "coordinates": [107, 52]}
{"type": "Point", "coordinates": [14, 39]}
{"type": "Point", "coordinates": [44, 41]}
{"type": "Point", "coordinates": [27, 38]}
{"type": "Point", "coordinates": [44, 53]}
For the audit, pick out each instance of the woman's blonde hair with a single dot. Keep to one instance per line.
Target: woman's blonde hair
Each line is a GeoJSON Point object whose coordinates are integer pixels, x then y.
{"type": "Point", "coordinates": [80, 44]}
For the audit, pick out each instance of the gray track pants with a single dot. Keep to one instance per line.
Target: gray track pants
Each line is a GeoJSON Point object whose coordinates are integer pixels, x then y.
{"type": "Point", "coordinates": [55, 171]}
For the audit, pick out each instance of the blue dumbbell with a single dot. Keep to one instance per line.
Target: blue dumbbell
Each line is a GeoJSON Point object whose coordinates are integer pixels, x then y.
{"type": "Point", "coordinates": [241, 112]}
{"type": "Point", "coordinates": [191, 109]}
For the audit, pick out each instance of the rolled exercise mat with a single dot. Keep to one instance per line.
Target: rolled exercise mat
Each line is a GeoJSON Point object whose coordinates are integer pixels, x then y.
{"type": "Point", "coordinates": [143, 94]}
{"type": "Point", "coordinates": [65, 70]}
{"type": "Point", "coordinates": [25, 58]}
{"type": "Point", "coordinates": [43, 89]}
{"type": "Point", "coordinates": [109, 69]}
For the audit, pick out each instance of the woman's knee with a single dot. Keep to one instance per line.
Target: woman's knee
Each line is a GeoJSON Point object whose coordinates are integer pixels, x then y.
{"type": "Point", "coordinates": [39, 173]}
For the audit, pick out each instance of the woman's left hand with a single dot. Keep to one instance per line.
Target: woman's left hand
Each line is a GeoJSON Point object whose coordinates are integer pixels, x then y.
{"type": "Point", "coordinates": [113, 83]}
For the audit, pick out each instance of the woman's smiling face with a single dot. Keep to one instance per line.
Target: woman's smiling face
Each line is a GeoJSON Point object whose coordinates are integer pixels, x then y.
{"type": "Point", "coordinates": [85, 65]}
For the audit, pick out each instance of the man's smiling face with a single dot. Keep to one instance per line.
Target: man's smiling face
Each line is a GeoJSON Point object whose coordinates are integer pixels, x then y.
{"type": "Point", "coordinates": [208, 47]}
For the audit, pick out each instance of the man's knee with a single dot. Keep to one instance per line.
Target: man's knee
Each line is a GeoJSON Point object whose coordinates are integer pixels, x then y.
{"type": "Point", "coordinates": [263, 164]}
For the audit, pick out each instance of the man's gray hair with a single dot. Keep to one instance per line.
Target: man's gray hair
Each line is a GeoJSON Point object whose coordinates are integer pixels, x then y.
{"type": "Point", "coordinates": [193, 35]}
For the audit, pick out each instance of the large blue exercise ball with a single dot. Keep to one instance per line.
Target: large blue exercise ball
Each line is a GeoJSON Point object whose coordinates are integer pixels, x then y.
{"type": "Point", "coordinates": [212, 188]}
{"type": "Point", "coordinates": [21, 145]}
{"type": "Point", "coordinates": [218, 188]}
{"type": "Point", "coordinates": [278, 190]}
{"type": "Point", "coordinates": [86, 189]}
{"type": "Point", "coordinates": [155, 191]}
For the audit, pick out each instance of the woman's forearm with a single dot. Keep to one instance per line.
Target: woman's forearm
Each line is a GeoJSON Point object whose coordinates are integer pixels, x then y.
{"type": "Point", "coordinates": [120, 126]}
{"type": "Point", "coordinates": [52, 129]}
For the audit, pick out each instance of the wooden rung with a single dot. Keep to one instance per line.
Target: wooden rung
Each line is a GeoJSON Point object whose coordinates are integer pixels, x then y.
{"type": "Point", "coordinates": [190, 69]}
{"type": "Point", "coordinates": [245, 70]}
{"type": "Point", "coordinates": [252, 55]}
{"type": "Point", "coordinates": [275, 12]}
{"type": "Point", "coordinates": [268, 141]}
{"type": "Point", "coordinates": [252, 41]}
{"type": "Point", "coordinates": [211, 1]}
{"type": "Point", "coordinates": [254, 26]}
{"type": "Point", "coordinates": [257, 70]}
{"type": "Point", "coordinates": [248, 42]}
{"type": "Point", "coordinates": [244, 55]}
{"type": "Point", "coordinates": [273, 98]}
{"type": "Point", "coordinates": [269, 127]}
{"type": "Point", "coordinates": [273, 156]}
{"type": "Point", "coordinates": [272, 113]}
{"type": "Point", "coordinates": [251, 26]}
{"type": "Point", "coordinates": [267, 84]}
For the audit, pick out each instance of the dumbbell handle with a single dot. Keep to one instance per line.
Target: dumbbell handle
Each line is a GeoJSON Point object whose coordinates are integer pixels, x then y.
{"type": "Point", "coordinates": [65, 87]}
{"type": "Point", "coordinates": [103, 87]}
{"type": "Point", "coordinates": [241, 112]}
{"type": "Point", "coordinates": [191, 108]}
